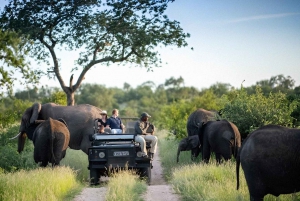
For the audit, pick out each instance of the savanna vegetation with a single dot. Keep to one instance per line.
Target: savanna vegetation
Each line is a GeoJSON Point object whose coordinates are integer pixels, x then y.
{"type": "Point", "coordinates": [169, 104]}
{"type": "Point", "coordinates": [124, 32]}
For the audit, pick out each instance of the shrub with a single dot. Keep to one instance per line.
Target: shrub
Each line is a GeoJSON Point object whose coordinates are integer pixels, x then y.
{"type": "Point", "coordinates": [250, 112]}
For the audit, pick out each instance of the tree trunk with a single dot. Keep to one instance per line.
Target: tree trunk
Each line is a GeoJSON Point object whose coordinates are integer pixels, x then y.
{"type": "Point", "coordinates": [70, 98]}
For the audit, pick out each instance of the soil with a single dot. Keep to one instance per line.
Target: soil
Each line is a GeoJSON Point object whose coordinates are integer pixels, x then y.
{"type": "Point", "coordinates": [158, 190]}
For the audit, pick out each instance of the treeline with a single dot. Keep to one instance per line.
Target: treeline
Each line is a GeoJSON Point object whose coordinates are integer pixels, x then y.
{"type": "Point", "coordinates": [274, 101]}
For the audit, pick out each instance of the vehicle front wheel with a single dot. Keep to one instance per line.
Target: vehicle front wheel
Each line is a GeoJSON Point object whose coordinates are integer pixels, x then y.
{"type": "Point", "coordinates": [145, 173]}
{"type": "Point", "coordinates": [94, 176]}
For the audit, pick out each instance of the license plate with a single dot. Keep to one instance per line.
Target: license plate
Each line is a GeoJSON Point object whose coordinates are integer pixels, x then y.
{"type": "Point", "coordinates": [121, 153]}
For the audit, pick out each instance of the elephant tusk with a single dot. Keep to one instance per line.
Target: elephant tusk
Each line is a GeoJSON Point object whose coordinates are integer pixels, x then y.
{"type": "Point", "coordinates": [15, 136]}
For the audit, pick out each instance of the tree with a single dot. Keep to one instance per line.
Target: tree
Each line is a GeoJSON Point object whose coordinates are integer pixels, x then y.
{"type": "Point", "coordinates": [104, 33]}
{"type": "Point", "coordinates": [12, 53]}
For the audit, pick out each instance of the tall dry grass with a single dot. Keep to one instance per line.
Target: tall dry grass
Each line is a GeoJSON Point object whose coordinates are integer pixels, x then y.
{"type": "Point", "coordinates": [42, 184]}
{"type": "Point", "coordinates": [125, 186]}
{"type": "Point", "coordinates": [78, 161]}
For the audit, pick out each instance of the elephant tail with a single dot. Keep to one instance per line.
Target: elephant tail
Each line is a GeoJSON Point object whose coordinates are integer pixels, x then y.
{"type": "Point", "coordinates": [51, 132]}
{"type": "Point", "coordinates": [178, 153]}
{"type": "Point", "coordinates": [238, 171]}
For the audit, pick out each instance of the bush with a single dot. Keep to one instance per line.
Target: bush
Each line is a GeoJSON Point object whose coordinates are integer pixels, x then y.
{"type": "Point", "coordinates": [11, 160]}
{"type": "Point", "coordinates": [174, 117]}
{"type": "Point", "coordinates": [250, 112]}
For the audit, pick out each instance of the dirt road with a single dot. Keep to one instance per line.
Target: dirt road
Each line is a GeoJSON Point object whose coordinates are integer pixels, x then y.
{"type": "Point", "coordinates": [158, 190]}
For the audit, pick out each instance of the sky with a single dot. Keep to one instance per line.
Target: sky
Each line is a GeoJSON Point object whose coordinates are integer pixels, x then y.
{"type": "Point", "coordinates": [234, 42]}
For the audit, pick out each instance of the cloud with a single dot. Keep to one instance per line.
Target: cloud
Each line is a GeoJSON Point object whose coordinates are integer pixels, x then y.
{"type": "Point", "coordinates": [260, 17]}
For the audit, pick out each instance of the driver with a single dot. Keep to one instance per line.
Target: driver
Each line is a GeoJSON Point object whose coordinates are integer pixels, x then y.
{"type": "Point", "coordinates": [145, 130]}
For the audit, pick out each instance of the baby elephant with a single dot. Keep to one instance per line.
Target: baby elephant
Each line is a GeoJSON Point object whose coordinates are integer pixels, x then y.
{"type": "Point", "coordinates": [51, 139]}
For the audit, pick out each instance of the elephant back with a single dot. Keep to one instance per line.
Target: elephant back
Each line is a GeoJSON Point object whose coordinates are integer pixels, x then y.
{"type": "Point", "coordinates": [198, 118]}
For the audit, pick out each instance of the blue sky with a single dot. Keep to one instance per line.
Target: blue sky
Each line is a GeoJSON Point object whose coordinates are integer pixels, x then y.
{"type": "Point", "coordinates": [249, 40]}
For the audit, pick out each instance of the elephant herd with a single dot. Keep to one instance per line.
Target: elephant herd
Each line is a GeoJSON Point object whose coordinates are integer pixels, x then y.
{"type": "Point", "coordinates": [269, 156]}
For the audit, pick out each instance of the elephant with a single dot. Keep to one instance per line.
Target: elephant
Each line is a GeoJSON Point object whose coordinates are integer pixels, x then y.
{"type": "Point", "coordinates": [221, 137]}
{"type": "Point", "coordinates": [79, 118]}
{"type": "Point", "coordinates": [50, 138]}
{"type": "Point", "coordinates": [189, 143]}
{"type": "Point", "coordinates": [270, 158]}
{"type": "Point", "coordinates": [198, 118]}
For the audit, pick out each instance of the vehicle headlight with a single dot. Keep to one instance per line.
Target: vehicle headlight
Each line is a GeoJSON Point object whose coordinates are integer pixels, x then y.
{"type": "Point", "coordinates": [101, 154]}
{"type": "Point", "coordinates": [139, 154]}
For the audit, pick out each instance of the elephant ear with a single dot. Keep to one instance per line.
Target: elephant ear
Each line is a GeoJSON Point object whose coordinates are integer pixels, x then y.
{"type": "Point", "coordinates": [193, 142]}
{"type": "Point", "coordinates": [63, 121]}
{"type": "Point", "coordinates": [36, 108]}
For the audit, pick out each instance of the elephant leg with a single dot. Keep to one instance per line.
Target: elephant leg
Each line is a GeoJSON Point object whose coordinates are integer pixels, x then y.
{"type": "Point", "coordinates": [218, 158]}
{"type": "Point", "coordinates": [44, 164]}
{"type": "Point", "coordinates": [206, 153]}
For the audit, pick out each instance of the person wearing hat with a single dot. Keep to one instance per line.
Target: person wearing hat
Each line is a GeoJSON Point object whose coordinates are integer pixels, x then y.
{"type": "Point", "coordinates": [102, 122]}
{"type": "Point", "coordinates": [145, 130]}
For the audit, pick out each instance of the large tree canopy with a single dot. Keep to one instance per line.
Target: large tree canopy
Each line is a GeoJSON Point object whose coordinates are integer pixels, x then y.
{"type": "Point", "coordinates": [104, 31]}
{"type": "Point", "coordinates": [12, 59]}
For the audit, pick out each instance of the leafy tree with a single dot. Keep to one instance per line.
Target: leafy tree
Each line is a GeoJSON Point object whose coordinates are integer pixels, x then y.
{"type": "Point", "coordinates": [274, 84]}
{"type": "Point", "coordinates": [250, 112]}
{"type": "Point", "coordinates": [97, 95]}
{"type": "Point", "coordinates": [220, 89]}
{"type": "Point", "coordinates": [111, 32]}
{"type": "Point", "coordinates": [12, 59]}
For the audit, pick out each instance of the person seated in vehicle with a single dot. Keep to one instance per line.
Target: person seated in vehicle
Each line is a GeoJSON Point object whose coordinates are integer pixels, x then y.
{"type": "Point", "coordinates": [145, 133]}
{"type": "Point", "coordinates": [102, 122]}
{"type": "Point", "coordinates": [115, 123]}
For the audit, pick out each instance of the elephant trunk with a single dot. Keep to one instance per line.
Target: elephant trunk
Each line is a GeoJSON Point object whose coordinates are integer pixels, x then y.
{"type": "Point", "coordinates": [21, 141]}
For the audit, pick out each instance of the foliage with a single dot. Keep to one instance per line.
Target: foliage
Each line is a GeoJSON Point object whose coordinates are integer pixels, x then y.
{"type": "Point", "coordinates": [58, 97]}
{"type": "Point", "coordinates": [11, 160]}
{"type": "Point", "coordinates": [12, 56]}
{"type": "Point", "coordinates": [39, 184]}
{"type": "Point", "coordinates": [11, 111]}
{"type": "Point", "coordinates": [274, 84]}
{"type": "Point", "coordinates": [125, 185]}
{"type": "Point", "coordinates": [173, 117]}
{"type": "Point", "coordinates": [105, 33]}
{"type": "Point", "coordinates": [250, 112]}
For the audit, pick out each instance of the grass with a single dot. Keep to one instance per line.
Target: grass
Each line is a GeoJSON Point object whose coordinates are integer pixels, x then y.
{"type": "Point", "coordinates": [40, 184]}
{"type": "Point", "coordinates": [125, 186]}
{"type": "Point", "coordinates": [78, 161]}
{"type": "Point", "coordinates": [198, 181]}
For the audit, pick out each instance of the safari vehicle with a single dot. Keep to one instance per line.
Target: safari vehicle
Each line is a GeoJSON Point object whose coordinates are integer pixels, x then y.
{"type": "Point", "coordinates": [113, 152]}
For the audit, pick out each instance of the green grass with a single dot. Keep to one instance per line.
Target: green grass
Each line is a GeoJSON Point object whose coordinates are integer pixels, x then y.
{"type": "Point", "coordinates": [198, 181]}
{"type": "Point", "coordinates": [78, 161]}
{"type": "Point", "coordinates": [45, 184]}
{"type": "Point", "coordinates": [125, 186]}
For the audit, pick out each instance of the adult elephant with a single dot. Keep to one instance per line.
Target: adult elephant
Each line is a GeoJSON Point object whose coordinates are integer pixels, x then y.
{"type": "Point", "coordinates": [198, 118]}
{"type": "Point", "coordinates": [270, 158]}
{"type": "Point", "coordinates": [50, 139]}
{"type": "Point", "coordinates": [79, 118]}
{"type": "Point", "coordinates": [221, 137]}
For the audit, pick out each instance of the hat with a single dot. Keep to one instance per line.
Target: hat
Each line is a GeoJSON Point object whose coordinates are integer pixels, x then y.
{"type": "Point", "coordinates": [145, 114]}
{"type": "Point", "coordinates": [103, 112]}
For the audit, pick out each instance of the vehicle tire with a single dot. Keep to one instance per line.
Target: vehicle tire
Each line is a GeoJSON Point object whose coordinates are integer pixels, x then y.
{"type": "Point", "coordinates": [94, 176]}
{"type": "Point", "coordinates": [145, 173]}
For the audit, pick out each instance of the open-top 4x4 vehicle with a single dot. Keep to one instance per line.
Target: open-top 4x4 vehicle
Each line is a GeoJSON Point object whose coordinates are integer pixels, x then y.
{"type": "Point", "coordinates": [113, 152]}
